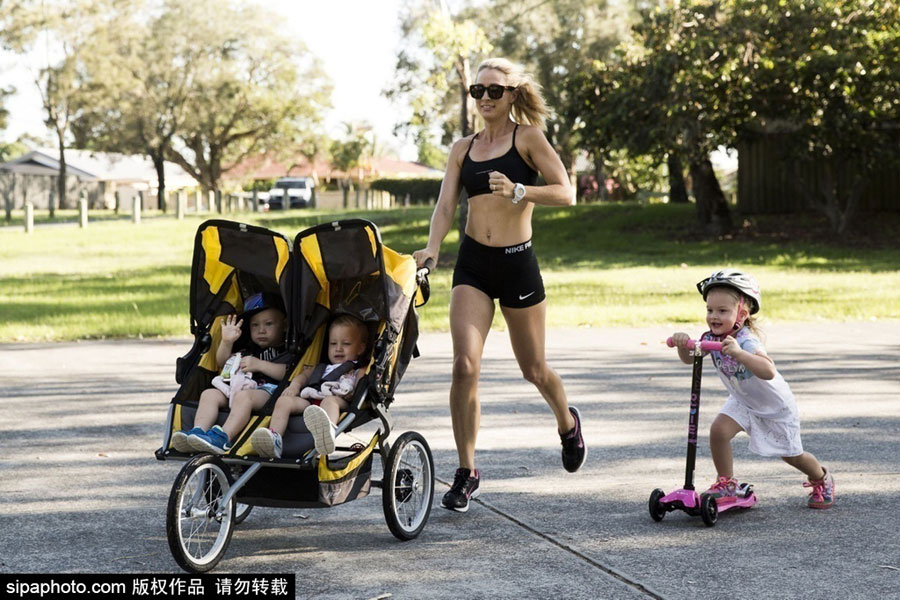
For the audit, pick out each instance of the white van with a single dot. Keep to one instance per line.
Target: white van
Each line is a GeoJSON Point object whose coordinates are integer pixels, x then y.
{"type": "Point", "coordinates": [298, 189]}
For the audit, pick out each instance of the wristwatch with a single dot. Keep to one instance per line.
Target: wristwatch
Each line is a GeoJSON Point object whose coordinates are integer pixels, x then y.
{"type": "Point", "coordinates": [518, 193]}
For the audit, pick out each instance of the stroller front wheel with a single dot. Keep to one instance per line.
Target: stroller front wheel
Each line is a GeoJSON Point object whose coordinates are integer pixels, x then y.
{"type": "Point", "coordinates": [408, 486]}
{"type": "Point", "coordinates": [198, 527]}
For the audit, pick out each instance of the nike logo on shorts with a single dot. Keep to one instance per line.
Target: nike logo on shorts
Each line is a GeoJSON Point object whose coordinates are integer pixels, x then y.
{"type": "Point", "coordinates": [521, 297]}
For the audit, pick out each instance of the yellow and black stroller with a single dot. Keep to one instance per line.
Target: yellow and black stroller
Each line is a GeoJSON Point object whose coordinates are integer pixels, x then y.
{"type": "Point", "coordinates": [329, 270]}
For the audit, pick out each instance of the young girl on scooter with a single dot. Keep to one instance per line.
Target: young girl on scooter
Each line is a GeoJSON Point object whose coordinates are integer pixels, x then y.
{"type": "Point", "coordinates": [760, 401]}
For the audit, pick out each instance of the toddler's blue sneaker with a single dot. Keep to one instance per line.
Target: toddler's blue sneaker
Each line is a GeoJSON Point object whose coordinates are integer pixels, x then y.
{"type": "Point", "coordinates": [215, 440]}
{"type": "Point", "coordinates": [180, 440]}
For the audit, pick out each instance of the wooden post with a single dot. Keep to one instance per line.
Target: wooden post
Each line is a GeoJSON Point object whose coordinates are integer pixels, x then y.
{"type": "Point", "coordinates": [180, 204]}
{"type": "Point", "coordinates": [82, 213]}
{"type": "Point", "coordinates": [29, 217]}
{"type": "Point", "coordinates": [9, 198]}
{"type": "Point", "coordinates": [218, 201]}
{"type": "Point", "coordinates": [136, 209]}
{"type": "Point", "coordinates": [255, 200]}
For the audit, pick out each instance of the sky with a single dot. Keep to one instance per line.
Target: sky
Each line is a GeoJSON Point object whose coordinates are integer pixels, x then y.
{"type": "Point", "coordinates": [357, 41]}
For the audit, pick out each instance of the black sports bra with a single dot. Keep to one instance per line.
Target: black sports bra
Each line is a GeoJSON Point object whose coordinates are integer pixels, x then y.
{"type": "Point", "coordinates": [474, 174]}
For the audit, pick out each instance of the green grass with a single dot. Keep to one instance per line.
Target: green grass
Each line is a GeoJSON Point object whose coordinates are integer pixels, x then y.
{"type": "Point", "coordinates": [609, 265]}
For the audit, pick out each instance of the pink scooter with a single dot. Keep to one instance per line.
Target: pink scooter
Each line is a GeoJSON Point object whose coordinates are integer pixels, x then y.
{"type": "Point", "coordinates": [687, 498]}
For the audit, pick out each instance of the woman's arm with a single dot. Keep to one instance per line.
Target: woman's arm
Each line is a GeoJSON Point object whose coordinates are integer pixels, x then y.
{"type": "Point", "coordinates": [445, 209]}
{"type": "Point", "coordinates": [537, 151]}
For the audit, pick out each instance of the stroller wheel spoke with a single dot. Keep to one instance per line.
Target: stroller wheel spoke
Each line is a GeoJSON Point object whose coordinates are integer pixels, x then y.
{"type": "Point", "coordinates": [408, 488]}
{"type": "Point", "coordinates": [197, 535]}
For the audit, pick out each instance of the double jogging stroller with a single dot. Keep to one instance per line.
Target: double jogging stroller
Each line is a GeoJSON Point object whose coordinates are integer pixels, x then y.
{"type": "Point", "coordinates": [329, 270]}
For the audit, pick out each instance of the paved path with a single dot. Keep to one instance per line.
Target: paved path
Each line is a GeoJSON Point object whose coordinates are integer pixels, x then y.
{"type": "Point", "coordinates": [80, 490]}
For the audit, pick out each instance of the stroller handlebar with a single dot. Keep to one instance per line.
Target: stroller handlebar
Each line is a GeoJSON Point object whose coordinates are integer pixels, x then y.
{"type": "Point", "coordinates": [425, 269]}
{"type": "Point", "coordinates": [706, 346]}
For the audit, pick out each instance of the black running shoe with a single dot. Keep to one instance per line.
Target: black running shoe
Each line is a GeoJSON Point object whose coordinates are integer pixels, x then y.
{"type": "Point", "coordinates": [573, 449]}
{"type": "Point", "coordinates": [465, 486]}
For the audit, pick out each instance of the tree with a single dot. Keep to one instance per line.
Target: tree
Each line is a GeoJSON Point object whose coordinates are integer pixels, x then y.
{"type": "Point", "coordinates": [351, 154]}
{"type": "Point", "coordinates": [138, 97]}
{"type": "Point", "coordinates": [252, 90]}
{"type": "Point", "coordinates": [433, 73]}
{"type": "Point", "coordinates": [667, 94]}
{"type": "Point", "coordinates": [65, 28]}
{"type": "Point", "coordinates": [556, 40]}
{"type": "Point", "coordinates": [824, 77]}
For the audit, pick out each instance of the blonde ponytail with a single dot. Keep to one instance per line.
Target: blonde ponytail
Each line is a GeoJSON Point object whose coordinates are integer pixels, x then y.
{"type": "Point", "coordinates": [529, 107]}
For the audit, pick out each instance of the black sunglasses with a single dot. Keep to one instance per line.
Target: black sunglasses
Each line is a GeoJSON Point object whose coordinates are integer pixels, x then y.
{"type": "Point", "coordinates": [495, 90]}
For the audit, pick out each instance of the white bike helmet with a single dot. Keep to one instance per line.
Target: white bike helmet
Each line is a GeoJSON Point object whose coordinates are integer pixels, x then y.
{"type": "Point", "coordinates": [737, 280]}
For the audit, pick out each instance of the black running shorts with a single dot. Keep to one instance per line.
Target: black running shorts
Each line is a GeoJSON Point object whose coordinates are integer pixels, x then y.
{"type": "Point", "coordinates": [509, 273]}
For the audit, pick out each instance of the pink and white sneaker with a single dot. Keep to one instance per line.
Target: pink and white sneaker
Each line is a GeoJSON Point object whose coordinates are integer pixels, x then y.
{"type": "Point", "coordinates": [724, 490]}
{"type": "Point", "coordinates": [822, 494]}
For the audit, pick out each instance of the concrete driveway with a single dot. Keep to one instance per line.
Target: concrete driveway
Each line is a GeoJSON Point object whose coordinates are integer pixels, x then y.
{"type": "Point", "coordinates": [80, 490]}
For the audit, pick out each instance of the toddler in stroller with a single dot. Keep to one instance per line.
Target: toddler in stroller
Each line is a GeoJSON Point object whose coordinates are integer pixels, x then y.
{"type": "Point", "coordinates": [251, 380]}
{"type": "Point", "coordinates": [320, 393]}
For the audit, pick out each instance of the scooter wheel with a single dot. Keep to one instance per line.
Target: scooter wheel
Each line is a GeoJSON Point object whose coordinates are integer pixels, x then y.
{"type": "Point", "coordinates": [709, 510]}
{"type": "Point", "coordinates": [657, 510]}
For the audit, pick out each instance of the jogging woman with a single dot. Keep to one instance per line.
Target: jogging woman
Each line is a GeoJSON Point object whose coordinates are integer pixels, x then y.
{"type": "Point", "coordinates": [498, 167]}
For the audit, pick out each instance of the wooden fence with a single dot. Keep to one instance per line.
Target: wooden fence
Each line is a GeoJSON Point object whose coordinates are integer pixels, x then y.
{"type": "Point", "coordinates": [768, 183]}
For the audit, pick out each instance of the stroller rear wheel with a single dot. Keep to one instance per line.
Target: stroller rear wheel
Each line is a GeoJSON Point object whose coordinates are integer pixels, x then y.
{"type": "Point", "coordinates": [198, 527]}
{"type": "Point", "coordinates": [408, 486]}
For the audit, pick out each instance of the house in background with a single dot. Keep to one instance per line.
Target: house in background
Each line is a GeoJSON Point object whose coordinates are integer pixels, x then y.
{"type": "Point", "coordinates": [32, 177]}
{"type": "Point", "coordinates": [267, 168]}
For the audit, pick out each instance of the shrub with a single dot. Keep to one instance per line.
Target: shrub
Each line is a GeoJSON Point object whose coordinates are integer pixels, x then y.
{"type": "Point", "coordinates": [421, 190]}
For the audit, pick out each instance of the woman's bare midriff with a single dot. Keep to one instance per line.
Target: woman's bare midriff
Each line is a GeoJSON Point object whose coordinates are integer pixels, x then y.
{"type": "Point", "coordinates": [496, 221]}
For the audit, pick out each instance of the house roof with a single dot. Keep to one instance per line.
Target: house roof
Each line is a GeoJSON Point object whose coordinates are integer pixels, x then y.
{"type": "Point", "coordinates": [37, 162]}
{"type": "Point", "coordinates": [103, 166]}
{"type": "Point", "coordinates": [266, 167]}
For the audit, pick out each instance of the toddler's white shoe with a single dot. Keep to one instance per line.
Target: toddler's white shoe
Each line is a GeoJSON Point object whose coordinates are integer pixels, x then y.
{"type": "Point", "coordinates": [321, 428]}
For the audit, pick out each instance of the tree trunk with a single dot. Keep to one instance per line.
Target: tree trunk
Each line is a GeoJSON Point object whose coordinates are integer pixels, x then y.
{"type": "Point", "coordinates": [159, 165]}
{"type": "Point", "coordinates": [839, 218]}
{"type": "Point", "coordinates": [677, 189]}
{"type": "Point", "coordinates": [60, 180]}
{"type": "Point", "coordinates": [713, 213]}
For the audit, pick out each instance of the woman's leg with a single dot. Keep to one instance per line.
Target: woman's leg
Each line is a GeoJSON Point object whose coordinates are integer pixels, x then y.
{"type": "Point", "coordinates": [471, 314]}
{"type": "Point", "coordinates": [527, 336]}
{"type": "Point", "coordinates": [211, 401]}
{"type": "Point", "coordinates": [245, 402]}
{"type": "Point", "coordinates": [722, 431]}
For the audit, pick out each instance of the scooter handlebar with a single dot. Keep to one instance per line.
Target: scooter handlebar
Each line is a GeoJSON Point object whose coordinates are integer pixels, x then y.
{"type": "Point", "coordinates": [706, 346]}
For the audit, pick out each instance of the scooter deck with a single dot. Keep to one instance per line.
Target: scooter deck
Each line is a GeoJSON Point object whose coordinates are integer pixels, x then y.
{"type": "Point", "coordinates": [689, 501]}
{"type": "Point", "coordinates": [724, 504]}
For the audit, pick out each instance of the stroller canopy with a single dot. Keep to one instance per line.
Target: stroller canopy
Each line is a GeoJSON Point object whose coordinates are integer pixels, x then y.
{"type": "Point", "coordinates": [231, 262]}
{"type": "Point", "coordinates": [343, 268]}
